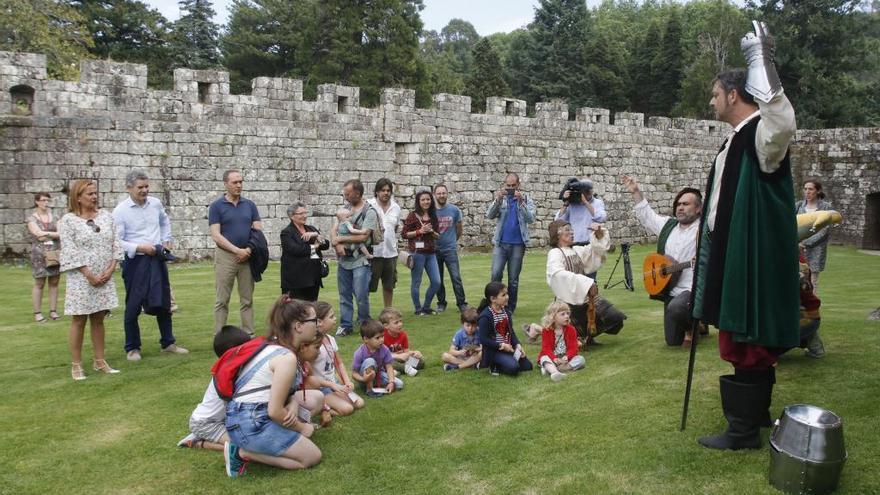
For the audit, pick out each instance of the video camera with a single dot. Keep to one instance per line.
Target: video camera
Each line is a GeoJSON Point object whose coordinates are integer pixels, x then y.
{"type": "Point", "coordinates": [577, 188]}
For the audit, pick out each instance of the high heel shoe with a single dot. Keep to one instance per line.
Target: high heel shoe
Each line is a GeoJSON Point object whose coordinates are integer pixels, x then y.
{"type": "Point", "coordinates": [102, 366]}
{"type": "Point", "coordinates": [76, 371]}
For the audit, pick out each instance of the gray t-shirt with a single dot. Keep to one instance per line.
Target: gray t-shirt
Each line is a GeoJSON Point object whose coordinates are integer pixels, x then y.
{"type": "Point", "coordinates": [369, 220]}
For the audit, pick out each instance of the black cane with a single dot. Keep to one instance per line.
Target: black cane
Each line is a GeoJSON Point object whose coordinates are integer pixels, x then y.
{"type": "Point", "coordinates": [690, 378]}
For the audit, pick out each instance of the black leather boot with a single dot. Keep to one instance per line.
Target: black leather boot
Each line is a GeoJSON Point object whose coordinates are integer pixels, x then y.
{"type": "Point", "coordinates": [744, 406]}
{"type": "Point", "coordinates": [765, 378]}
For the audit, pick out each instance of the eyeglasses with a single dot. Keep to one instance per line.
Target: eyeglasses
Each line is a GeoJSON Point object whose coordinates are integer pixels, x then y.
{"type": "Point", "coordinates": [91, 223]}
{"type": "Point", "coordinates": [315, 320]}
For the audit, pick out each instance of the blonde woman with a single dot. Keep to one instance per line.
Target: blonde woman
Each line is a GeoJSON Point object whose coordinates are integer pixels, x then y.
{"type": "Point", "coordinates": [89, 253]}
{"type": "Point", "coordinates": [44, 239]}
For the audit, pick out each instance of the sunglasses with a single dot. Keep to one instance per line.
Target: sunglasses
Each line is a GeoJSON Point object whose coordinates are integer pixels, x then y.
{"type": "Point", "coordinates": [93, 225]}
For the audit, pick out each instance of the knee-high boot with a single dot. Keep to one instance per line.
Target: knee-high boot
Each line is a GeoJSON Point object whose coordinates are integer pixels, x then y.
{"type": "Point", "coordinates": [760, 377]}
{"type": "Point", "coordinates": [745, 407]}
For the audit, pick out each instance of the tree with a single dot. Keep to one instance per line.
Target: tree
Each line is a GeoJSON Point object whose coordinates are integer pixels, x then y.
{"type": "Point", "coordinates": [486, 77]}
{"type": "Point", "coordinates": [459, 38]}
{"type": "Point", "coordinates": [194, 38]}
{"type": "Point", "coordinates": [129, 31]}
{"type": "Point", "coordinates": [560, 31]}
{"type": "Point", "coordinates": [272, 38]}
{"type": "Point", "coordinates": [826, 58]}
{"type": "Point", "coordinates": [48, 27]}
{"type": "Point", "coordinates": [642, 70]}
{"type": "Point", "coordinates": [667, 68]}
{"type": "Point", "coordinates": [712, 30]}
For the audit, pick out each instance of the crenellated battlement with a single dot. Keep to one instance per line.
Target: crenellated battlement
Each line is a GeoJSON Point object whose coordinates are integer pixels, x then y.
{"type": "Point", "coordinates": [290, 148]}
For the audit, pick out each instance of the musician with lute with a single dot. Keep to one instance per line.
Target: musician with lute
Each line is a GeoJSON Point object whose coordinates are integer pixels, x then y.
{"type": "Point", "coordinates": [668, 273]}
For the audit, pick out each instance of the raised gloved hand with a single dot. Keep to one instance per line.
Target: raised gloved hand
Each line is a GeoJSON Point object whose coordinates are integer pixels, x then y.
{"type": "Point", "coordinates": [758, 48]}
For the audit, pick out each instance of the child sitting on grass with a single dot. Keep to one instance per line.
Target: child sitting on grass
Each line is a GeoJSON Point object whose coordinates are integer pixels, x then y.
{"type": "Point", "coordinates": [502, 352]}
{"type": "Point", "coordinates": [373, 364]}
{"type": "Point", "coordinates": [207, 423]}
{"type": "Point", "coordinates": [465, 351]}
{"type": "Point", "coordinates": [397, 342]}
{"type": "Point", "coordinates": [260, 419]}
{"type": "Point", "coordinates": [328, 373]}
{"type": "Point", "coordinates": [559, 343]}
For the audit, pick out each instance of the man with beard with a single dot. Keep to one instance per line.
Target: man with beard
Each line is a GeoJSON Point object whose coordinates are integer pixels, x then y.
{"type": "Point", "coordinates": [446, 247]}
{"type": "Point", "coordinates": [746, 277]}
{"type": "Point", "coordinates": [677, 238]}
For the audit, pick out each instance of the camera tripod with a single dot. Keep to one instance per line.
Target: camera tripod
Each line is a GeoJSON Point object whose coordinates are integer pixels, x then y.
{"type": "Point", "coordinates": [627, 270]}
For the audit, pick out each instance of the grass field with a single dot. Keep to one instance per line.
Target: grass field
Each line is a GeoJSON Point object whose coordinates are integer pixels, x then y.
{"type": "Point", "coordinates": [612, 428]}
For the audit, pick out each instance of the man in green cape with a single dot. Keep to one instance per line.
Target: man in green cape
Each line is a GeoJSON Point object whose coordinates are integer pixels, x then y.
{"type": "Point", "coordinates": [746, 279]}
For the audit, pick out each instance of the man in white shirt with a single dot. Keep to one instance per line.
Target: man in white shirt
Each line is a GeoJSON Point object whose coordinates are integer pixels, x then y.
{"type": "Point", "coordinates": [144, 230]}
{"type": "Point", "coordinates": [677, 238]}
{"type": "Point", "coordinates": [384, 263]}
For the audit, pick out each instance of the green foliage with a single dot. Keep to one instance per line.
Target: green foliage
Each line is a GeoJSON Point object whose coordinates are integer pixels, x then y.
{"type": "Point", "coordinates": [827, 59]}
{"type": "Point", "coordinates": [558, 50]}
{"type": "Point", "coordinates": [611, 428]}
{"type": "Point", "coordinates": [194, 38]}
{"type": "Point", "coordinates": [370, 44]}
{"type": "Point", "coordinates": [48, 27]}
{"type": "Point", "coordinates": [667, 67]}
{"type": "Point", "coordinates": [486, 78]}
{"type": "Point", "coordinates": [129, 31]}
{"type": "Point", "coordinates": [272, 38]}
{"type": "Point", "coordinates": [447, 56]}
{"type": "Point", "coordinates": [642, 70]}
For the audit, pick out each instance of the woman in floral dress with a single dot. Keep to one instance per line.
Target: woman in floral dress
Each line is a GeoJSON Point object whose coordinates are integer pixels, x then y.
{"type": "Point", "coordinates": [89, 253]}
{"type": "Point", "coordinates": [44, 237]}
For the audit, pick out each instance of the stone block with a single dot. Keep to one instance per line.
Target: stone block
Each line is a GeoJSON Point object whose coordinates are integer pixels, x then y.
{"type": "Point", "coordinates": [629, 119]}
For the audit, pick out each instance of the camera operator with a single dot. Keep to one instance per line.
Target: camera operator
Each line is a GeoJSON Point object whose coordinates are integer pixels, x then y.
{"type": "Point", "coordinates": [581, 209]}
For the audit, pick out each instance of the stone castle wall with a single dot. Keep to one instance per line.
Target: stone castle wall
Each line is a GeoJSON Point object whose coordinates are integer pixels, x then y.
{"type": "Point", "coordinates": [288, 148]}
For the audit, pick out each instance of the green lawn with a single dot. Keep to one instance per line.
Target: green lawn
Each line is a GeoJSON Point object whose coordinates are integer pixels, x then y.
{"type": "Point", "coordinates": [612, 428]}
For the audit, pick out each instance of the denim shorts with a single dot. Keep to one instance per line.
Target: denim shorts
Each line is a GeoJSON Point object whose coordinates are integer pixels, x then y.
{"type": "Point", "coordinates": [249, 426]}
{"type": "Point", "coordinates": [326, 390]}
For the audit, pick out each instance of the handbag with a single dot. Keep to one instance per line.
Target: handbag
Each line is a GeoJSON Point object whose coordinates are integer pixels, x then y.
{"type": "Point", "coordinates": [325, 268]}
{"type": "Point", "coordinates": [405, 258]}
{"type": "Point", "coordinates": [52, 257]}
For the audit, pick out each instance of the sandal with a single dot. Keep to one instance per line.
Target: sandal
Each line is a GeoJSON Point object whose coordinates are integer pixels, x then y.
{"type": "Point", "coordinates": [76, 371]}
{"type": "Point", "coordinates": [38, 317]}
{"type": "Point", "coordinates": [54, 315]}
{"type": "Point", "coordinates": [102, 366]}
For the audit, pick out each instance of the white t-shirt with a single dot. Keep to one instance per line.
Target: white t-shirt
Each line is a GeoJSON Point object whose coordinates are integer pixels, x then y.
{"type": "Point", "coordinates": [325, 366]}
{"type": "Point", "coordinates": [389, 219]}
{"type": "Point", "coordinates": [212, 407]}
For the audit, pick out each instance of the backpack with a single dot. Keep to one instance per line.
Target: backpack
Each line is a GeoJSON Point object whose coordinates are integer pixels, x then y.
{"type": "Point", "coordinates": [226, 370]}
{"type": "Point", "coordinates": [378, 234]}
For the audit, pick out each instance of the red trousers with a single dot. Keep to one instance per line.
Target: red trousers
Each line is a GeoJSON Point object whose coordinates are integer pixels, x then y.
{"type": "Point", "coordinates": [746, 356]}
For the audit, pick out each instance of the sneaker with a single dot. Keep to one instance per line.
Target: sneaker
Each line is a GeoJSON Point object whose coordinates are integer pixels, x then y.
{"type": "Point", "coordinates": [557, 376]}
{"type": "Point", "coordinates": [175, 349]}
{"type": "Point", "coordinates": [133, 355]}
{"type": "Point", "coordinates": [343, 332]}
{"type": "Point", "coordinates": [441, 308]}
{"type": "Point", "coordinates": [450, 367]}
{"type": "Point", "coordinates": [428, 312]}
{"type": "Point", "coordinates": [409, 370]}
{"type": "Point", "coordinates": [543, 371]}
{"type": "Point", "coordinates": [235, 465]}
{"type": "Point", "coordinates": [187, 441]}
{"type": "Point", "coordinates": [375, 395]}
{"type": "Point", "coordinates": [494, 371]}
{"type": "Point", "coordinates": [815, 347]}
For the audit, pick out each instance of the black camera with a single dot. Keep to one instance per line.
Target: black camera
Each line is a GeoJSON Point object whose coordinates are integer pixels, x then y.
{"type": "Point", "coordinates": [577, 188]}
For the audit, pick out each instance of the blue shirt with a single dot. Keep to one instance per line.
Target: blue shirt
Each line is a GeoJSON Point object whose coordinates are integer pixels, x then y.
{"type": "Point", "coordinates": [235, 219]}
{"type": "Point", "coordinates": [141, 224]}
{"type": "Point", "coordinates": [462, 339]}
{"type": "Point", "coordinates": [448, 218]}
{"type": "Point", "coordinates": [510, 231]}
{"type": "Point", "coordinates": [580, 218]}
